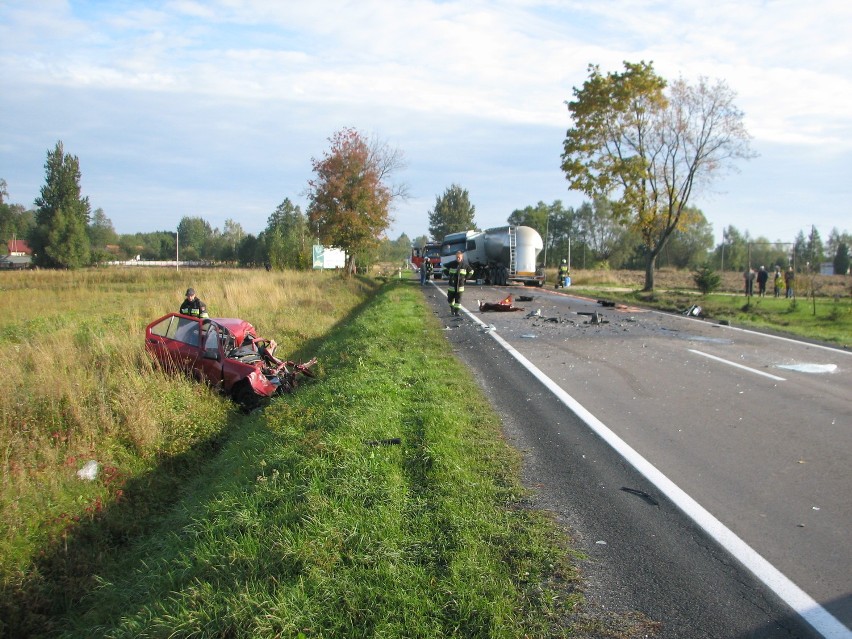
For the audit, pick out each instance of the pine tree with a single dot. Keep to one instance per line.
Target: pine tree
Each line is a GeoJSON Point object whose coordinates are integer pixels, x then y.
{"type": "Point", "coordinates": [59, 239]}
{"type": "Point", "coordinates": [453, 213]}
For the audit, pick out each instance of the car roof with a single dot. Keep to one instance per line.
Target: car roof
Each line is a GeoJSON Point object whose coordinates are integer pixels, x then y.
{"type": "Point", "coordinates": [238, 327]}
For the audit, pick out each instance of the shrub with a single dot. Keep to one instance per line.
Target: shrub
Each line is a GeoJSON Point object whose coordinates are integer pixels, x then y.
{"type": "Point", "coordinates": [706, 279]}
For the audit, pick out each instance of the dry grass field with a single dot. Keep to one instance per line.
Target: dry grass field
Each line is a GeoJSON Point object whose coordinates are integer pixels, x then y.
{"type": "Point", "coordinates": [671, 279]}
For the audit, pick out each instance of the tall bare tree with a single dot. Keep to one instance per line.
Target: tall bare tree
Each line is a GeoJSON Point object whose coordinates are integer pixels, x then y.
{"type": "Point", "coordinates": [649, 150]}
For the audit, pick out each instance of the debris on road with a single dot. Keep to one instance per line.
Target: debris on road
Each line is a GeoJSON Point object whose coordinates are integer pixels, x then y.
{"type": "Point", "coordinates": [595, 317]}
{"type": "Point", "coordinates": [641, 494]}
{"type": "Point", "coordinates": [503, 305]}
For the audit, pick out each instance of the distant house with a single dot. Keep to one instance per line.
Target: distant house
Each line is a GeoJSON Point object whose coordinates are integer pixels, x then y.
{"type": "Point", "coordinates": [20, 255]}
{"type": "Point", "coordinates": [18, 248]}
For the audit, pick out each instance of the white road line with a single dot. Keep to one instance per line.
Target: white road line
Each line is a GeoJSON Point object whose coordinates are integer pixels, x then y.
{"type": "Point", "coordinates": [730, 363]}
{"type": "Point", "coordinates": [806, 606]}
{"type": "Point", "coordinates": [791, 340]}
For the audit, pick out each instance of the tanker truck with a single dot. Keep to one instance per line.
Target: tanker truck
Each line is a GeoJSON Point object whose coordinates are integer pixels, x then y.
{"type": "Point", "coordinates": [499, 255]}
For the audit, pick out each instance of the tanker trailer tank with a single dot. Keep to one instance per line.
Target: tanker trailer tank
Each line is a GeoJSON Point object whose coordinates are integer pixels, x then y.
{"type": "Point", "coordinates": [512, 254]}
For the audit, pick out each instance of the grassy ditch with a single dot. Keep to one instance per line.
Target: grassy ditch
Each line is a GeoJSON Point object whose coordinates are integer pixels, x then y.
{"type": "Point", "coordinates": [376, 501]}
{"type": "Point", "coordinates": [77, 386]}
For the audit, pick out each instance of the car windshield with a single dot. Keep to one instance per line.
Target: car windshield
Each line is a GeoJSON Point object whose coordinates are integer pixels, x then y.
{"type": "Point", "coordinates": [451, 248]}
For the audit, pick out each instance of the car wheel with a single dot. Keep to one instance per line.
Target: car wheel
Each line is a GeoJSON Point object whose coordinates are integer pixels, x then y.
{"type": "Point", "coordinates": [245, 397]}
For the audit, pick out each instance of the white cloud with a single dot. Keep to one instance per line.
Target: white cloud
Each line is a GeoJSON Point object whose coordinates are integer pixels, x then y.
{"type": "Point", "coordinates": [468, 85]}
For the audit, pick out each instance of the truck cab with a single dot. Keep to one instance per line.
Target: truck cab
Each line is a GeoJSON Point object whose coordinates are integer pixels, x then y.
{"type": "Point", "coordinates": [430, 251]}
{"type": "Point", "coordinates": [467, 242]}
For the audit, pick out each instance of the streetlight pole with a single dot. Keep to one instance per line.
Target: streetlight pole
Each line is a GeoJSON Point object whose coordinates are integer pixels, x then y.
{"type": "Point", "coordinates": [177, 250]}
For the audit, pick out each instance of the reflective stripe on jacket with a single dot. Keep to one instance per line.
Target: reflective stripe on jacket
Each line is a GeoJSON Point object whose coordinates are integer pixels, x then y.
{"type": "Point", "coordinates": [195, 308]}
{"type": "Point", "coordinates": [456, 275]}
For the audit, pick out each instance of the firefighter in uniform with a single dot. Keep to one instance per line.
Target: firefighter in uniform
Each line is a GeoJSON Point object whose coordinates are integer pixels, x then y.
{"type": "Point", "coordinates": [563, 273]}
{"type": "Point", "coordinates": [193, 306]}
{"type": "Point", "coordinates": [456, 275]}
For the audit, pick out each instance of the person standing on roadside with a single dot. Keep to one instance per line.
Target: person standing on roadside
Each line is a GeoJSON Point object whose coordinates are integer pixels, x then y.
{"type": "Point", "coordinates": [778, 280]}
{"type": "Point", "coordinates": [425, 270]}
{"type": "Point", "coordinates": [762, 278]}
{"type": "Point", "coordinates": [789, 279]}
{"type": "Point", "coordinates": [748, 277]}
{"type": "Point", "coordinates": [193, 306]}
{"type": "Point", "coordinates": [456, 275]}
{"type": "Point", "coordinates": [563, 273]}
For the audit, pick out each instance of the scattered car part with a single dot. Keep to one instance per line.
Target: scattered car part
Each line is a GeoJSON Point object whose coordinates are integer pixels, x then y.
{"type": "Point", "coordinates": [503, 305]}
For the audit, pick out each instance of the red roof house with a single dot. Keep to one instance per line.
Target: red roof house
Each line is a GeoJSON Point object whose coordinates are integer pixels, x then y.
{"type": "Point", "coordinates": [18, 248]}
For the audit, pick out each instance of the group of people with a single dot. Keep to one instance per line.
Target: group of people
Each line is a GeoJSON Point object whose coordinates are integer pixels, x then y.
{"type": "Point", "coordinates": [762, 276]}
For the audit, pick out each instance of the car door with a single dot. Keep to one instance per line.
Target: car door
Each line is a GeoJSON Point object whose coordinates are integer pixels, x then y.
{"type": "Point", "coordinates": [209, 366]}
{"type": "Point", "coordinates": [175, 341]}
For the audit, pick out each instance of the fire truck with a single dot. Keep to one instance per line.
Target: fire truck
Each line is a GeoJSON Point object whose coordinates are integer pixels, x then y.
{"type": "Point", "coordinates": [430, 251]}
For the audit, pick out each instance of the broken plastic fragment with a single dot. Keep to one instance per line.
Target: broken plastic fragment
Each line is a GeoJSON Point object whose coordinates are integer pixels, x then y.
{"type": "Point", "coordinates": [809, 368]}
{"type": "Point", "coordinates": [89, 472]}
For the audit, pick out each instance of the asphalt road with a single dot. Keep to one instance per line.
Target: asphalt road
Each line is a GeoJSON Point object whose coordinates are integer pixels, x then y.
{"type": "Point", "coordinates": [756, 430]}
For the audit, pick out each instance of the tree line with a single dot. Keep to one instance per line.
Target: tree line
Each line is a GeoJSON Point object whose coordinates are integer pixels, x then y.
{"type": "Point", "coordinates": [63, 232]}
{"type": "Point", "coordinates": [639, 147]}
{"type": "Point", "coordinates": [594, 238]}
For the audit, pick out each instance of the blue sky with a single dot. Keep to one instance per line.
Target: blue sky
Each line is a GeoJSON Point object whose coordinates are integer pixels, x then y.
{"type": "Point", "coordinates": [215, 109]}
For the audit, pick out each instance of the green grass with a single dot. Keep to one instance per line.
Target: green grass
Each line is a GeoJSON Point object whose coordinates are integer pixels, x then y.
{"type": "Point", "coordinates": [299, 520]}
{"type": "Point", "coordinates": [294, 521]}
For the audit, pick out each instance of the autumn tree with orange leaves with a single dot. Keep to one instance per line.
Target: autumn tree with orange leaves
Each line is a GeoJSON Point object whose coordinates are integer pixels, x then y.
{"type": "Point", "coordinates": [350, 196]}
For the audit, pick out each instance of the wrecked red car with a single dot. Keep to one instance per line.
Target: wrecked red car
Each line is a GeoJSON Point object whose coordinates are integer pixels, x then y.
{"type": "Point", "coordinates": [224, 352]}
